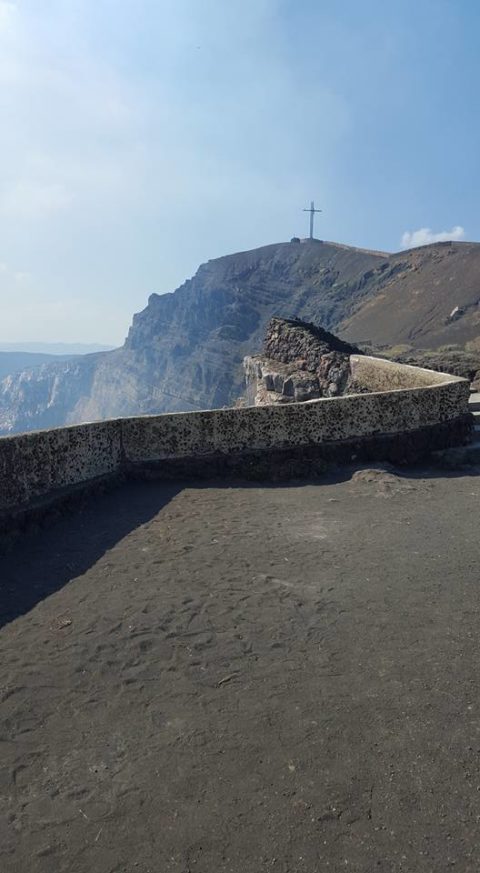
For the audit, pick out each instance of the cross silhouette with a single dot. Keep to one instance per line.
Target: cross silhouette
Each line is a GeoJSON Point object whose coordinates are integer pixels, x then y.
{"type": "Point", "coordinates": [312, 212]}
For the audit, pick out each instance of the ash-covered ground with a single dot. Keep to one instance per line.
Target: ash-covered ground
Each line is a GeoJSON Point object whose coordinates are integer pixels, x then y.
{"type": "Point", "coordinates": [246, 678]}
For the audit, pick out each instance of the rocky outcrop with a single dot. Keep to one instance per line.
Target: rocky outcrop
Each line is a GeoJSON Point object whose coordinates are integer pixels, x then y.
{"type": "Point", "coordinates": [299, 361]}
{"type": "Point", "coordinates": [185, 350]}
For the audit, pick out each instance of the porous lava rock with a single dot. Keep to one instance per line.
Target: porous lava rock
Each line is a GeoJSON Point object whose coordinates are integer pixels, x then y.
{"type": "Point", "coordinates": [300, 361]}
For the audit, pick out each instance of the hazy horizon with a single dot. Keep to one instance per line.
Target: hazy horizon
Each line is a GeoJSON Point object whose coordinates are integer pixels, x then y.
{"type": "Point", "coordinates": [140, 141]}
{"type": "Point", "coordinates": [54, 348]}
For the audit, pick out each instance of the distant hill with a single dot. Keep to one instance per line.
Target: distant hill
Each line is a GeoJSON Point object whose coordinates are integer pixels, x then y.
{"type": "Point", "coordinates": [64, 349]}
{"type": "Point", "coordinates": [185, 350]}
{"type": "Point", "coordinates": [426, 297]}
{"type": "Point", "coordinates": [15, 362]}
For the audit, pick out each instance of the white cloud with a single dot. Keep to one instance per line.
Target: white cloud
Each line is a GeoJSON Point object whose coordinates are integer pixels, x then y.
{"type": "Point", "coordinates": [424, 236]}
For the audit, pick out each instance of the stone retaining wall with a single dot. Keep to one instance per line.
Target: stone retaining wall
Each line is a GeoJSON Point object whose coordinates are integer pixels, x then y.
{"type": "Point", "coordinates": [426, 409]}
{"type": "Point", "coordinates": [380, 375]}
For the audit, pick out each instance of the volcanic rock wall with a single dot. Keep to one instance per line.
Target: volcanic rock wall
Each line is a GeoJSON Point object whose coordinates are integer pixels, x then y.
{"type": "Point", "coordinates": [299, 362]}
{"type": "Point", "coordinates": [424, 411]}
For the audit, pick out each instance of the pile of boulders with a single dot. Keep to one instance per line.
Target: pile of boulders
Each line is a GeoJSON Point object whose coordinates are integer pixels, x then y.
{"type": "Point", "coordinates": [299, 362]}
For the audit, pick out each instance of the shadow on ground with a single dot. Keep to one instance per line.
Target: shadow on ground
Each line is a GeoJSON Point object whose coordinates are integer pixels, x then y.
{"type": "Point", "coordinates": [42, 562]}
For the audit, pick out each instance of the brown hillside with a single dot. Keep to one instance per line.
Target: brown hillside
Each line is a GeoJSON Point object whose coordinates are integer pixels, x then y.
{"type": "Point", "coordinates": [185, 350]}
{"type": "Point", "coordinates": [411, 297]}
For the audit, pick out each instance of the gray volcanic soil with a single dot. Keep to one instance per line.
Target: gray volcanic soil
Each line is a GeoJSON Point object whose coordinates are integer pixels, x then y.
{"type": "Point", "coordinates": [244, 679]}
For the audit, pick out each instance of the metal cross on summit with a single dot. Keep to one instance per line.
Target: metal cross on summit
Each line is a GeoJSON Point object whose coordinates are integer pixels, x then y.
{"type": "Point", "coordinates": [312, 212]}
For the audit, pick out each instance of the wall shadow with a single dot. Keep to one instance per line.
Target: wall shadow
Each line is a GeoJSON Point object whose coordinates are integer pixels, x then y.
{"type": "Point", "coordinates": [43, 561]}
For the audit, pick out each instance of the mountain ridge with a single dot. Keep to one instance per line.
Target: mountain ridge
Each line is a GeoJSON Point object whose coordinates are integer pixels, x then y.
{"type": "Point", "coordinates": [54, 349]}
{"type": "Point", "coordinates": [18, 361]}
{"type": "Point", "coordinates": [434, 300]}
{"type": "Point", "coordinates": [185, 349]}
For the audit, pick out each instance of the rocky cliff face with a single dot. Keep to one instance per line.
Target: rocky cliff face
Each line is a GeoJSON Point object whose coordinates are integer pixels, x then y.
{"type": "Point", "coordinates": [185, 350]}
{"type": "Point", "coordinates": [299, 361]}
{"type": "Point", "coordinates": [42, 397]}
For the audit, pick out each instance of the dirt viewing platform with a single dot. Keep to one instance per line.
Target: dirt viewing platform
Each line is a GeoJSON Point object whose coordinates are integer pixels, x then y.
{"type": "Point", "coordinates": [205, 678]}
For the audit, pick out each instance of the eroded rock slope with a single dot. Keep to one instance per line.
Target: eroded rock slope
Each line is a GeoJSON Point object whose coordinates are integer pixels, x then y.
{"type": "Point", "coordinates": [185, 350]}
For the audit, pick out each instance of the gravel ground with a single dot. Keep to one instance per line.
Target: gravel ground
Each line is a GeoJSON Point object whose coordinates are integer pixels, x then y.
{"type": "Point", "coordinates": [202, 679]}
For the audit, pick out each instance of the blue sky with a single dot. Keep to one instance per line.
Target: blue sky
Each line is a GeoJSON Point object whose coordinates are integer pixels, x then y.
{"type": "Point", "coordinates": [143, 137]}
